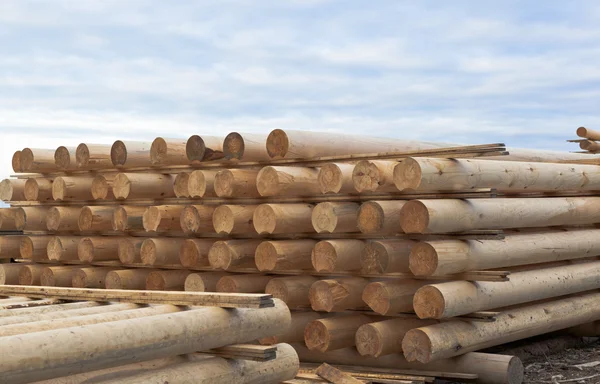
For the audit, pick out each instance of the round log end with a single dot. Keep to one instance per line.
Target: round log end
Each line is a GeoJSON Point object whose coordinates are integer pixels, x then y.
{"type": "Point", "coordinates": [113, 280]}
{"type": "Point", "coordinates": [220, 255]}
{"type": "Point", "coordinates": [180, 185]}
{"type": "Point", "coordinates": [375, 258]}
{"type": "Point", "coordinates": [369, 341]}
{"type": "Point", "coordinates": [126, 251]}
{"type": "Point", "coordinates": [148, 252]}
{"type": "Point", "coordinates": [414, 217]}
{"type": "Point", "coordinates": [197, 184]}
{"type": "Point", "coordinates": [55, 248]}
{"type": "Point", "coordinates": [321, 296]}
{"type": "Point", "coordinates": [224, 183]}
{"type": "Point", "coordinates": [26, 276]}
{"type": "Point", "coordinates": [223, 219]}
{"type": "Point", "coordinates": [26, 160]}
{"type": "Point", "coordinates": [31, 190]}
{"type": "Point", "coordinates": [62, 158]}
{"type": "Point", "coordinates": [121, 186]}
{"type": "Point", "coordinates": [324, 219]}
{"type": "Point", "coordinates": [156, 281]}
{"type": "Point", "coordinates": [366, 176]}
{"type": "Point", "coordinates": [267, 181]}
{"type": "Point", "coordinates": [194, 283]}
{"type": "Point", "coordinates": [407, 174]}
{"type": "Point", "coordinates": [429, 303]}
{"type": "Point", "coordinates": [324, 257]}
{"type": "Point", "coordinates": [53, 219]}
{"type": "Point", "coordinates": [82, 155]}
{"type": "Point", "coordinates": [277, 144]}
{"type": "Point", "coordinates": [190, 255]}
{"type": "Point", "coordinates": [416, 346]}
{"type": "Point", "coordinates": [278, 289]}
{"type": "Point", "coordinates": [377, 297]}
{"type": "Point", "coordinates": [79, 279]}
{"type": "Point", "coordinates": [227, 284]}
{"type": "Point", "coordinates": [86, 218]}
{"type": "Point", "coordinates": [266, 256]}
{"type": "Point", "coordinates": [47, 278]}
{"type": "Point", "coordinates": [16, 162]}
{"type": "Point", "coordinates": [330, 178]}
{"type": "Point", "coordinates": [151, 219]}
{"type": "Point", "coordinates": [20, 219]}
{"type": "Point", "coordinates": [119, 221]}
{"type": "Point", "coordinates": [100, 187]}
{"type": "Point", "coordinates": [118, 153]}
{"type": "Point", "coordinates": [26, 248]}
{"type": "Point", "coordinates": [233, 146]}
{"type": "Point", "coordinates": [264, 219]}
{"type": "Point", "coordinates": [158, 151]}
{"type": "Point", "coordinates": [85, 250]}
{"type": "Point", "coordinates": [59, 189]}
{"type": "Point", "coordinates": [6, 190]}
{"type": "Point", "coordinates": [316, 336]}
{"type": "Point", "coordinates": [189, 219]}
{"type": "Point", "coordinates": [515, 372]}
{"type": "Point", "coordinates": [195, 149]}
{"type": "Point", "coordinates": [370, 217]}
{"type": "Point", "coordinates": [582, 132]}
{"type": "Point", "coordinates": [423, 259]}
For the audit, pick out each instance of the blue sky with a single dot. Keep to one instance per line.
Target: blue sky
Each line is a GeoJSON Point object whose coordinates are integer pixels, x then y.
{"type": "Point", "coordinates": [524, 73]}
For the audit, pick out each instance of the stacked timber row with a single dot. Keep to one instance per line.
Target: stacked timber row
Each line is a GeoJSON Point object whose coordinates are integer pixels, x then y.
{"type": "Point", "coordinates": [390, 253]}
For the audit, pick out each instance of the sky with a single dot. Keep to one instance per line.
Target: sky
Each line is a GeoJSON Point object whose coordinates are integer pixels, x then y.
{"type": "Point", "coordinates": [525, 73]}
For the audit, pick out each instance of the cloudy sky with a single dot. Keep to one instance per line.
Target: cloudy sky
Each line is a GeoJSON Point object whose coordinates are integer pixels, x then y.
{"type": "Point", "coordinates": [71, 71]}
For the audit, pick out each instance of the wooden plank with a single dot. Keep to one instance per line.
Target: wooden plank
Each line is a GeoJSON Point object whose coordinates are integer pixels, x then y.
{"type": "Point", "coordinates": [335, 376]}
{"type": "Point", "coordinates": [30, 304]}
{"type": "Point", "coordinates": [310, 367]}
{"type": "Point", "coordinates": [252, 352]}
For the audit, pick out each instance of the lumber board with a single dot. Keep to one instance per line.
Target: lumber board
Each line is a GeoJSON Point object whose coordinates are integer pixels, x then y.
{"type": "Point", "coordinates": [30, 304]}
{"type": "Point", "coordinates": [335, 376]}
{"type": "Point", "coordinates": [251, 352]}
{"type": "Point", "coordinates": [426, 375]}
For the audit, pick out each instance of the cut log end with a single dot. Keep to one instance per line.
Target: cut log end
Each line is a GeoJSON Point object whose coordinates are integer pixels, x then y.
{"type": "Point", "coordinates": [277, 144]}
{"type": "Point", "coordinates": [121, 186]}
{"type": "Point", "coordinates": [370, 217]}
{"type": "Point", "coordinates": [330, 178]}
{"type": "Point", "coordinates": [20, 219]}
{"type": "Point", "coordinates": [16, 162]}
{"type": "Point", "coordinates": [126, 251]}
{"type": "Point", "coordinates": [62, 158]}
{"type": "Point", "coordinates": [369, 341]}
{"type": "Point", "coordinates": [148, 252]}
{"type": "Point", "coordinates": [195, 148]}
{"type": "Point", "coordinates": [6, 189]}
{"type": "Point", "coordinates": [266, 256]}
{"type": "Point", "coordinates": [53, 219]}
{"type": "Point", "coordinates": [82, 155]}
{"type": "Point", "coordinates": [158, 151]}
{"type": "Point", "coordinates": [100, 187]}
{"type": "Point", "coordinates": [190, 255]}
{"type": "Point", "coordinates": [407, 174]}
{"type": "Point", "coordinates": [377, 297]}
{"type": "Point", "coordinates": [55, 248]}
{"type": "Point", "coordinates": [31, 190]}
{"type": "Point", "coordinates": [180, 186]}
{"type": "Point", "coordinates": [118, 153]}
{"type": "Point", "coordinates": [156, 281]}
{"type": "Point", "coordinates": [85, 250]}
{"type": "Point", "coordinates": [26, 160]}
{"type": "Point", "coordinates": [323, 295]}
{"type": "Point", "coordinates": [416, 346]}
{"type": "Point", "coordinates": [119, 222]}
{"type": "Point", "coordinates": [582, 132]}
{"type": "Point", "coordinates": [86, 218]}
{"type": "Point", "coordinates": [228, 284]}
{"type": "Point", "coordinates": [151, 219]}
{"type": "Point", "coordinates": [278, 289]}
{"type": "Point", "coordinates": [265, 219]}
{"type": "Point", "coordinates": [59, 189]}
{"type": "Point", "coordinates": [194, 283]}
{"type": "Point", "coordinates": [224, 181]}
{"type": "Point", "coordinates": [324, 219]}
{"type": "Point", "coordinates": [113, 281]}
{"type": "Point", "coordinates": [366, 176]}
{"type": "Point", "coordinates": [27, 276]}
{"type": "Point", "coordinates": [233, 146]}
{"type": "Point", "coordinates": [79, 279]}
{"type": "Point", "coordinates": [324, 257]}
{"type": "Point", "coordinates": [414, 217]}
{"type": "Point", "coordinates": [423, 260]}
{"type": "Point", "coordinates": [189, 220]}
{"type": "Point", "coordinates": [429, 303]}
{"type": "Point", "coordinates": [267, 181]}
{"type": "Point", "coordinates": [197, 183]}
{"type": "Point", "coordinates": [223, 219]}
{"type": "Point", "coordinates": [220, 255]}
{"type": "Point", "coordinates": [316, 336]}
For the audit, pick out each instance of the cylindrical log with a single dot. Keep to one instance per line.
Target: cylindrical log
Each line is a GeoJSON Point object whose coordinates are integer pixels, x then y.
{"type": "Point", "coordinates": [93, 156]}
{"type": "Point", "coordinates": [337, 255]}
{"type": "Point", "coordinates": [72, 188]}
{"type": "Point", "coordinates": [30, 275]}
{"type": "Point", "coordinates": [335, 217]}
{"type": "Point", "coordinates": [392, 296]}
{"type": "Point", "coordinates": [13, 190]}
{"type": "Point", "coordinates": [233, 219]}
{"type": "Point", "coordinates": [129, 249]}
{"type": "Point", "coordinates": [9, 273]}
{"type": "Point", "coordinates": [93, 277]}
{"type": "Point", "coordinates": [102, 187]}
{"type": "Point", "coordinates": [236, 183]}
{"type": "Point", "coordinates": [588, 133]}
{"type": "Point", "coordinates": [295, 333]}
{"type": "Point", "coordinates": [381, 217]}
{"type": "Point", "coordinates": [98, 248]}
{"type": "Point", "coordinates": [36, 355]}
{"type": "Point", "coordinates": [443, 257]}
{"type": "Point", "coordinates": [96, 218]}
{"type": "Point", "coordinates": [589, 145]}
{"type": "Point", "coordinates": [161, 251]}
{"type": "Point", "coordinates": [61, 276]}
{"type": "Point", "coordinates": [38, 189]}
{"type": "Point", "coordinates": [245, 146]}
{"type": "Point", "coordinates": [336, 178]}
{"type": "Point", "coordinates": [162, 218]}
{"type": "Point", "coordinates": [32, 218]}
{"type": "Point", "coordinates": [127, 278]}
{"type": "Point", "coordinates": [203, 281]}
{"type": "Point", "coordinates": [143, 186]}
{"type": "Point", "coordinates": [34, 247]}
{"type": "Point", "coordinates": [441, 340]}
{"type": "Point", "coordinates": [194, 252]}
{"type": "Point", "coordinates": [333, 333]}
{"type": "Point", "coordinates": [11, 219]}
{"type": "Point", "coordinates": [180, 185]}
{"type": "Point", "coordinates": [243, 284]}
{"type": "Point", "coordinates": [63, 248]}
{"type": "Point", "coordinates": [230, 254]}
{"type": "Point", "coordinates": [35, 160]}
{"type": "Point", "coordinates": [204, 148]}
{"type": "Point", "coordinates": [283, 218]}
{"type": "Point", "coordinates": [385, 337]}
{"type": "Point", "coordinates": [130, 154]}
{"type": "Point", "coordinates": [450, 215]}
{"type": "Point", "coordinates": [168, 152]}
{"type": "Point", "coordinates": [166, 280]}
{"type": "Point", "coordinates": [334, 295]}
{"type": "Point", "coordinates": [197, 219]}
{"type": "Point", "coordinates": [16, 162]}
{"type": "Point", "coordinates": [288, 181]}
{"type": "Point", "coordinates": [128, 218]}
{"type": "Point", "coordinates": [387, 256]}
{"type": "Point", "coordinates": [10, 246]}
{"type": "Point", "coordinates": [201, 183]}
{"type": "Point", "coordinates": [273, 255]}
{"type": "Point", "coordinates": [292, 290]}
{"type": "Point", "coordinates": [64, 158]}
{"type": "Point", "coordinates": [374, 176]}
{"type": "Point", "coordinates": [456, 298]}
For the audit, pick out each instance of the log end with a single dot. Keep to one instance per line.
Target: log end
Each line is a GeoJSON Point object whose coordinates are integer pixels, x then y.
{"type": "Point", "coordinates": [158, 151]}
{"type": "Point", "coordinates": [233, 146]}
{"type": "Point", "coordinates": [113, 280]}
{"type": "Point", "coordinates": [79, 279]}
{"type": "Point", "coordinates": [582, 132]}
{"type": "Point", "coordinates": [62, 158]}
{"type": "Point", "coordinates": [370, 217]}
{"type": "Point", "coordinates": [127, 252]}
{"type": "Point", "coordinates": [414, 217]}
{"type": "Point", "coordinates": [416, 346]}
{"type": "Point", "coordinates": [6, 190]}
{"type": "Point", "coordinates": [53, 219]}
{"type": "Point", "coordinates": [59, 189]}
{"type": "Point", "coordinates": [118, 153]}
{"type": "Point", "coordinates": [27, 276]}
{"type": "Point", "coordinates": [16, 162]}
{"type": "Point", "coordinates": [121, 186]}
{"type": "Point", "coordinates": [86, 218]}
{"type": "Point", "coordinates": [264, 219]}
{"type": "Point", "coordinates": [223, 220]}
{"type": "Point", "coordinates": [366, 176]}
{"type": "Point", "coordinates": [375, 258]}
{"type": "Point", "coordinates": [197, 184]}
{"type": "Point", "coordinates": [316, 336]}
{"type": "Point", "coordinates": [20, 219]}
{"type": "Point", "coordinates": [100, 188]}
{"type": "Point", "coordinates": [407, 174]}
{"type": "Point", "coordinates": [31, 190]}
{"type": "Point", "coordinates": [55, 248]}
{"type": "Point", "coordinates": [85, 250]}
{"type": "Point", "coordinates": [266, 256]}
{"type": "Point", "coordinates": [369, 341]}
{"type": "Point", "coordinates": [148, 253]}
{"type": "Point", "coordinates": [377, 297]}
{"type": "Point", "coordinates": [321, 295]}
{"type": "Point", "coordinates": [228, 284]}
{"type": "Point", "coordinates": [26, 248]}
{"type": "Point", "coordinates": [190, 255]}
{"type": "Point", "coordinates": [324, 257]}
{"type": "Point", "coordinates": [82, 155]}
{"type": "Point", "coordinates": [267, 181]}
{"type": "Point", "coordinates": [156, 281]}
{"type": "Point", "coordinates": [189, 219]}
{"type": "Point", "coordinates": [26, 160]}
{"type": "Point", "coordinates": [429, 303]}
{"type": "Point", "coordinates": [423, 259]}
{"type": "Point", "coordinates": [278, 144]}
{"type": "Point", "coordinates": [220, 255]}
{"type": "Point", "coordinates": [324, 219]}
{"type": "Point", "coordinates": [151, 219]}
{"type": "Point", "coordinates": [194, 283]}
{"type": "Point", "coordinates": [278, 289]}
{"type": "Point", "coordinates": [119, 220]}
{"type": "Point", "coordinates": [330, 178]}
{"type": "Point", "coordinates": [180, 185]}
{"type": "Point", "coordinates": [224, 181]}
{"type": "Point", "coordinates": [47, 278]}
{"type": "Point", "coordinates": [195, 148]}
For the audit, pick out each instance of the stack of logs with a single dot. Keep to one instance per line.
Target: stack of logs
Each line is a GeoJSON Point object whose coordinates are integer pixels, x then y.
{"type": "Point", "coordinates": [391, 253]}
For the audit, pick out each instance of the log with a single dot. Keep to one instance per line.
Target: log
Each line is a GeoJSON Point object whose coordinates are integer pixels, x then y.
{"type": "Point", "coordinates": [35, 160]}
{"type": "Point", "coordinates": [180, 185]}
{"type": "Point", "coordinates": [34, 247]}
{"type": "Point", "coordinates": [489, 368]}
{"type": "Point", "coordinates": [430, 174]}
{"type": "Point", "coordinates": [243, 284]}
{"type": "Point", "coordinates": [335, 295]}
{"type": "Point", "coordinates": [129, 249]}
{"type": "Point", "coordinates": [374, 176]}
{"type": "Point", "coordinates": [440, 341]}
{"type": "Point", "coordinates": [143, 186]}
{"type": "Point", "coordinates": [91, 157]}
{"type": "Point", "coordinates": [32, 218]}
{"type": "Point", "coordinates": [37, 189]}
{"type": "Point", "coordinates": [450, 215]}
{"type": "Point", "coordinates": [9, 273]}
{"type": "Point", "coordinates": [54, 311]}
{"type": "Point", "coordinates": [588, 133]}
{"type": "Point", "coordinates": [283, 218]}
{"type": "Point", "coordinates": [63, 248]}
{"type": "Point", "coordinates": [382, 217]}
{"type": "Point", "coordinates": [336, 178]}
{"type": "Point", "coordinates": [230, 254]}
{"type": "Point", "coordinates": [11, 219]}
{"type": "Point", "coordinates": [127, 278]}
{"type": "Point", "coordinates": [204, 148]}
{"type": "Point", "coordinates": [96, 218]}
{"type": "Point", "coordinates": [333, 333]}
{"type": "Point", "coordinates": [128, 218]}
{"type": "Point", "coordinates": [292, 290]}
{"type": "Point", "coordinates": [166, 280]}
{"type": "Point", "coordinates": [72, 188]}
{"type": "Point", "coordinates": [197, 219]}
{"type": "Point", "coordinates": [161, 251]}
{"type": "Point", "coordinates": [273, 255]}
{"type": "Point", "coordinates": [203, 281]}
{"type": "Point", "coordinates": [387, 256]}
{"type": "Point", "coordinates": [392, 296]}
{"type": "Point", "coordinates": [288, 181]}
{"type": "Point", "coordinates": [443, 257]}
{"type": "Point", "coordinates": [102, 187]}
{"type": "Point", "coordinates": [589, 145]}
{"type": "Point", "coordinates": [64, 158]}
{"type": "Point", "coordinates": [98, 248]}
{"type": "Point", "coordinates": [162, 218]}
{"type": "Point", "coordinates": [193, 253]}
{"type": "Point", "coordinates": [245, 146]}
{"type": "Point", "coordinates": [16, 162]}
{"type": "Point", "coordinates": [12, 190]}
{"type": "Point", "coordinates": [93, 277]}
{"type": "Point", "coordinates": [201, 183]}
{"type": "Point", "coordinates": [233, 219]}
{"type": "Point", "coordinates": [164, 152]}
{"type": "Point", "coordinates": [30, 274]}
{"type": "Point", "coordinates": [328, 217]}
{"type": "Point", "coordinates": [60, 276]}
{"type": "Point", "coordinates": [385, 337]}
{"type": "Point", "coordinates": [63, 219]}
{"type": "Point", "coordinates": [10, 246]}
{"type": "Point", "coordinates": [456, 298]}
{"type": "Point", "coordinates": [295, 333]}
{"type": "Point", "coordinates": [36, 357]}
{"type": "Point", "coordinates": [130, 154]}
{"type": "Point", "coordinates": [236, 183]}
{"type": "Point", "coordinates": [337, 255]}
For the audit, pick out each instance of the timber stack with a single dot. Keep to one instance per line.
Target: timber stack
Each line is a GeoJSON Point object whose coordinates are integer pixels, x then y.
{"type": "Point", "coordinates": [391, 254]}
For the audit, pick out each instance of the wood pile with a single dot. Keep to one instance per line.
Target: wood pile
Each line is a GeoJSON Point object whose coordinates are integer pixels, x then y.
{"type": "Point", "coordinates": [391, 253]}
